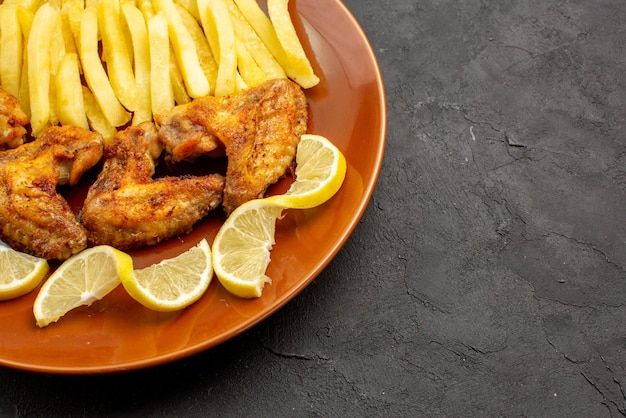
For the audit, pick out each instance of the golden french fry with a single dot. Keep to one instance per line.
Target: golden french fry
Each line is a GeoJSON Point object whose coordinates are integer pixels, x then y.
{"type": "Point", "coordinates": [178, 84]}
{"type": "Point", "coordinates": [218, 27]}
{"type": "Point", "coordinates": [141, 52]}
{"type": "Point", "coordinates": [97, 121]}
{"type": "Point", "coordinates": [262, 25]}
{"type": "Point", "coordinates": [146, 8]}
{"type": "Point", "coordinates": [92, 3]}
{"type": "Point", "coordinates": [93, 70]}
{"type": "Point", "coordinates": [254, 44]}
{"type": "Point", "coordinates": [249, 70]}
{"type": "Point", "coordinates": [115, 50]}
{"type": "Point", "coordinates": [161, 94]}
{"type": "Point", "coordinates": [56, 44]}
{"type": "Point", "coordinates": [184, 50]}
{"type": "Point", "coordinates": [11, 49]}
{"type": "Point", "coordinates": [69, 92]}
{"type": "Point", "coordinates": [72, 12]}
{"type": "Point", "coordinates": [70, 23]}
{"type": "Point", "coordinates": [25, 17]}
{"type": "Point", "coordinates": [207, 60]}
{"type": "Point", "coordinates": [57, 52]}
{"type": "Point", "coordinates": [191, 6]}
{"type": "Point", "coordinates": [39, 67]}
{"type": "Point", "coordinates": [302, 71]}
{"type": "Point", "coordinates": [31, 5]}
{"type": "Point", "coordinates": [56, 4]}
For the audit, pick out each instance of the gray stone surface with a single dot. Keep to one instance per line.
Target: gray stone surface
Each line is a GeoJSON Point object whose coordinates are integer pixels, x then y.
{"type": "Point", "coordinates": [487, 277]}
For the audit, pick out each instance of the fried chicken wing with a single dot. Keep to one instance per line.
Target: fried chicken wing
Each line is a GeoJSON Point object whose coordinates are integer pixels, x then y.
{"type": "Point", "coordinates": [12, 121]}
{"type": "Point", "coordinates": [127, 208]}
{"type": "Point", "coordinates": [34, 218]}
{"type": "Point", "coordinates": [259, 128]}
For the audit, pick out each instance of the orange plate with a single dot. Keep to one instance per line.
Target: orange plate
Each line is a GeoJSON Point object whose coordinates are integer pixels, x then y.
{"type": "Point", "coordinates": [117, 334]}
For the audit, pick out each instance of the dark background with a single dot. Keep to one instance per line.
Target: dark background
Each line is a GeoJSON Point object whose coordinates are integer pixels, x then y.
{"type": "Point", "coordinates": [487, 277]}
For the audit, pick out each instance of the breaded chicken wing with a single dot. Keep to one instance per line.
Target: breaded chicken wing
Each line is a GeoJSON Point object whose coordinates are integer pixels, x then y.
{"type": "Point", "coordinates": [12, 121]}
{"type": "Point", "coordinates": [259, 128]}
{"type": "Point", "coordinates": [127, 208]}
{"type": "Point", "coordinates": [34, 218]}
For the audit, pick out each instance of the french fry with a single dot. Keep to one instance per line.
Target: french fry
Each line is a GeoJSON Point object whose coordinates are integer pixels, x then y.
{"type": "Point", "coordinates": [207, 60]}
{"type": "Point", "coordinates": [31, 5]}
{"type": "Point", "coordinates": [11, 49]}
{"type": "Point", "coordinates": [69, 93]}
{"type": "Point", "coordinates": [93, 70]}
{"type": "Point", "coordinates": [249, 70]}
{"type": "Point", "coordinates": [161, 94]}
{"type": "Point", "coordinates": [25, 17]}
{"type": "Point", "coordinates": [39, 67]}
{"type": "Point", "coordinates": [97, 121]}
{"type": "Point", "coordinates": [218, 27]}
{"type": "Point", "coordinates": [262, 25]}
{"type": "Point", "coordinates": [254, 44]}
{"type": "Point", "coordinates": [146, 9]}
{"type": "Point", "coordinates": [92, 3]}
{"type": "Point", "coordinates": [303, 73]}
{"type": "Point", "coordinates": [115, 50]}
{"type": "Point", "coordinates": [184, 49]}
{"type": "Point", "coordinates": [70, 20]}
{"type": "Point", "coordinates": [71, 13]}
{"type": "Point", "coordinates": [178, 84]}
{"type": "Point", "coordinates": [190, 6]}
{"type": "Point", "coordinates": [57, 52]}
{"type": "Point", "coordinates": [141, 53]}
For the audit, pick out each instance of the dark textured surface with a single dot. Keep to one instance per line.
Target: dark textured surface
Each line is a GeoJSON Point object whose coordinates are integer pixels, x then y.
{"type": "Point", "coordinates": [487, 277]}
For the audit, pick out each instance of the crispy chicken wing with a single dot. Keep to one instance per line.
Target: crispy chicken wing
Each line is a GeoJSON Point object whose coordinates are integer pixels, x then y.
{"type": "Point", "coordinates": [259, 128]}
{"type": "Point", "coordinates": [127, 208]}
{"type": "Point", "coordinates": [12, 121]}
{"type": "Point", "coordinates": [34, 218]}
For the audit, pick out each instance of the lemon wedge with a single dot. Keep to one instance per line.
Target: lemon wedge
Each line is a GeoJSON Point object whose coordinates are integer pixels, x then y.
{"type": "Point", "coordinates": [81, 280]}
{"type": "Point", "coordinates": [242, 246]}
{"type": "Point", "coordinates": [21, 272]}
{"type": "Point", "coordinates": [174, 283]}
{"type": "Point", "coordinates": [320, 171]}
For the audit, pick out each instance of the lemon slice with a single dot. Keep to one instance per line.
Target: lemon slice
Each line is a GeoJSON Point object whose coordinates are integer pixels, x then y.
{"type": "Point", "coordinates": [241, 249]}
{"type": "Point", "coordinates": [21, 272]}
{"type": "Point", "coordinates": [81, 280]}
{"type": "Point", "coordinates": [242, 246]}
{"type": "Point", "coordinates": [173, 283]}
{"type": "Point", "coordinates": [320, 171]}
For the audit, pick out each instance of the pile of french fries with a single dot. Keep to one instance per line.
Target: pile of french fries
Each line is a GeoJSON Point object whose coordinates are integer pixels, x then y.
{"type": "Point", "coordinates": [102, 64]}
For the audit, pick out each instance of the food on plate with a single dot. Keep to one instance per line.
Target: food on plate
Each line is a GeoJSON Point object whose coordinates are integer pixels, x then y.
{"type": "Point", "coordinates": [81, 280]}
{"type": "Point", "coordinates": [12, 121]}
{"type": "Point", "coordinates": [34, 217]}
{"type": "Point", "coordinates": [259, 128]}
{"type": "Point", "coordinates": [126, 208]}
{"type": "Point", "coordinates": [21, 272]}
{"type": "Point", "coordinates": [241, 248]}
{"type": "Point", "coordinates": [116, 52]}
{"type": "Point", "coordinates": [11, 53]}
{"type": "Point", "coordinates": [139, 59]}
{"type": "Point", "coordinates": [69, 93]}
{"type": "Point", "coordinates": [174, 283]}
{"type": "Point", "coordinates": [320, 171]}
{"type": "Point", "coordinates": [184, 48]}
{"type": "Point", "coordinates": [93, 71]}
{"type": "Point", "coordinates": [40, 67]}
{"type": "Point", "coordinates": [299, 67]}
{"type": "Point", "coordinates": [221, 36]}
{"type": "Point", "coordinates": [193, 78]}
